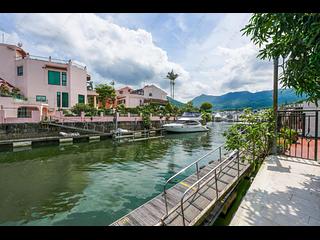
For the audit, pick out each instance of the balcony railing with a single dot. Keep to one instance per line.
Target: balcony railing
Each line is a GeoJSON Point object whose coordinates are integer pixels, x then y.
{"type": "Point", "coordinates": [32, 101]}
{"type": "Point", "coordinates": [53, 60]}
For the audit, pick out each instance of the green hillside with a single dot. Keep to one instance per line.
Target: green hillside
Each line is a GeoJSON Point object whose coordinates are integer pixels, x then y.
{"type": "Point", "coordinates": [245, 99]}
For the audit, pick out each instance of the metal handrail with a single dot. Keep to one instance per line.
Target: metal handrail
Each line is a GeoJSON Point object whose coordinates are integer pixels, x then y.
{"type": "Point", "coordinates": [230, 159]}
{"type": "Point", "coordinates": [187, 167]}
{"type": "Point", "coordinates": [202, 185]}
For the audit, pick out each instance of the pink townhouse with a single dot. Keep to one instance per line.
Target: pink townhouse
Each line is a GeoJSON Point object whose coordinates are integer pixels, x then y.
{"type": "Point", "coordinates": [148, 94]}
{"type": "Point", "coordinates": [47, 84]}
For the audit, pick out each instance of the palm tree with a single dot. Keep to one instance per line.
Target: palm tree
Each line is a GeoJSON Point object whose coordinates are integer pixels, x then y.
{"type": "Point", "coordinates": [172, 77]}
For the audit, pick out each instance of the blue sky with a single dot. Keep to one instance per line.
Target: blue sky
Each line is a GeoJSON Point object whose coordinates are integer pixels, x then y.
{"type": "Point", "coordinates": [207, 50]}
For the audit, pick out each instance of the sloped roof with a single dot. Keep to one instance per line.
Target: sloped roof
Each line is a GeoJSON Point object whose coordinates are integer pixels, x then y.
{"type": "Point", "coordinates": [152, 85]}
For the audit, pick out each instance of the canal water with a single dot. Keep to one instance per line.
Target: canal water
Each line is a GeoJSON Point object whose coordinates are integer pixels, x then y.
{"type": "Point", "coordinates": [94, 183]}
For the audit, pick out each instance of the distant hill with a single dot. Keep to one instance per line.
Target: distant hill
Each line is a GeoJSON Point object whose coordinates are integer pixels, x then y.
{"type": "Point", "coordinates": [175, 102]}
{"type": "Point", "coordinates": [244, 99]}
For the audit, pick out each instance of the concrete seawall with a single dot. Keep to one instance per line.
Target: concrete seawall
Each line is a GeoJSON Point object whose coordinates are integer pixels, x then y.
{"type": "Point", "coordinates": [10, 131]}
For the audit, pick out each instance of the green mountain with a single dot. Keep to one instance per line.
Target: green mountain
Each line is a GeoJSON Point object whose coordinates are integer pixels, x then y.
{"type": "Point", "coordinates": [245, 99]}
{"type": "Point", "coordinates": [175, 102]}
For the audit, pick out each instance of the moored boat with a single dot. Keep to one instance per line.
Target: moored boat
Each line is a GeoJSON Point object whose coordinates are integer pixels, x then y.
{"type": "Point", "coordinates": [185, 126]}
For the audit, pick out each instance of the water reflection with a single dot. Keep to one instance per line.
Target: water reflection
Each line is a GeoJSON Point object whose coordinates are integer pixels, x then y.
{"type": "Point", "coordinates": [92, 183]}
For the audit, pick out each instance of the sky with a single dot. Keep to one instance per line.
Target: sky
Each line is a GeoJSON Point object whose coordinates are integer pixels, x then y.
{"type": "Point", "coordinates": [208, 51]}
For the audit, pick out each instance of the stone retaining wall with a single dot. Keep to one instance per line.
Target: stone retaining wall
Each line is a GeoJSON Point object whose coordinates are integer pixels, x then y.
{"type": "Point", "coordinates": [31, 130]}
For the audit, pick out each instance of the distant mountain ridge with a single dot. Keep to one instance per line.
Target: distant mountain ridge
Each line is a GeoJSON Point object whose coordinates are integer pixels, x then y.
{"type": "Point", "coordinates": [245, 99]}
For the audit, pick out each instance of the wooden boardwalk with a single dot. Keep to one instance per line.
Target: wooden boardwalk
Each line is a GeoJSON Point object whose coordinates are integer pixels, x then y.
{"type": "Point", "coordinates": [199, 202]}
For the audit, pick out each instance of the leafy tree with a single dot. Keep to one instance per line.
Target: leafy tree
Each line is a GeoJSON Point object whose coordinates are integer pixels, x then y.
{"type": "Point", "coordinates": [121, 108]}
{"type": "Point", "coordinates": [294, 38]}
{"type": "Point", "coordinates": [172, 77]}
{"type": "Point", "coordinates": [206, 106]}
{"type": "Point", "coordinates": [206, 117]}
{"type": "Point", "coordinates": [145, 111]}
{"type": "Point", "coordinates": [106, 93]}
{"type": "Point", "coordinates": [188, 107]}
{"type": "Point", "coordinates": [15, 91]}
{"type": "Point", "coordinates": [254, 135]}
{"type": "Point", "coordinates": [4, 89]}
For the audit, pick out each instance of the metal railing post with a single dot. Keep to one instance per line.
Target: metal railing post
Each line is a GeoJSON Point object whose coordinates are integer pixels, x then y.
{"type": "Point", "coordinates": [182, 213]}
{"type": "Point", "coordinates": [220, 154]}
{"type": "Point", "coordinates": [216, 180]}
{"type": "Point", "coordinates": [238, 158]}
{"type": "Point", "coordinates": [165, 201]}
{"type": "Point", "coordinates": [197, 167]}
{"type": "Point", "coordinates": [316, 138]}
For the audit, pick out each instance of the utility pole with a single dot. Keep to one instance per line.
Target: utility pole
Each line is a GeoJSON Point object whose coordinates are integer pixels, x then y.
{"type": "Point", "coordinates": [275, 102]}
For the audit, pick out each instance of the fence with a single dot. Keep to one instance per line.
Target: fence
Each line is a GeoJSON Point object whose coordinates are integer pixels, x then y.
{"type": "Point", "coordinates": [298, 132]}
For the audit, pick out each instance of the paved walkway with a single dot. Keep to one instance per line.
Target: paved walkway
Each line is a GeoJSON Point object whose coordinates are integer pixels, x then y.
{"type": "Point", "coordinates": [286, 191]}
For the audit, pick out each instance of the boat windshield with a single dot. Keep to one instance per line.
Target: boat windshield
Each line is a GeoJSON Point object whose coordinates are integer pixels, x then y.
{"type": "Point", "coordinates": [191, 123]}
{"type": "Point", "coordinates": [180, 121]}
{"type": "Point", "coordinates": [191, 114]}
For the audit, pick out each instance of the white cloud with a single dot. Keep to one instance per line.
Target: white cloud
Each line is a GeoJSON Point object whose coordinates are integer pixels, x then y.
{"type": "Point", "coordinates": [110, 51]}
{"type": "Point", "coordinates": [225, 61]}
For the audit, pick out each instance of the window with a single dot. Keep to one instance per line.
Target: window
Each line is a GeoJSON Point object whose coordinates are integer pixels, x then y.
{"type": "Point", "coordinates": [150, 94]}
{"type": "Point", "coordinates": [24, 112]}
{"type": "Point", "coordinates": [80, 98]}
{"type": "Point", "coordinates": [53, 78]}
{"type": "Point", "coordinates": [41, 98]}
{"type": "Point", "coordinates": [65, 100]}
{"type": "Point", "coordinates": [58, 99]}
{"type": "Point", "coordinates": [120, 92]}
{"type": "Point", "coordinates": [20, 70]}
{"type": "Point", "coordinates": [64, 78]}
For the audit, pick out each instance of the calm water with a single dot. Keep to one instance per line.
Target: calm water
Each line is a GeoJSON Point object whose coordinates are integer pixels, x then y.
{"type": "Point", "coordinates": [93, 183]}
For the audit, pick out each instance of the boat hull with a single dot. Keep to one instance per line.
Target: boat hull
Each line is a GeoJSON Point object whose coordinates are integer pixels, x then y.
{"type": "Point", "coordinates": [185, 129]}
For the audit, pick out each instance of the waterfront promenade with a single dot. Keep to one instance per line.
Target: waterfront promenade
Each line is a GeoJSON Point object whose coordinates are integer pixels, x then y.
{"type": "Point", "coordinates": [286, 191]}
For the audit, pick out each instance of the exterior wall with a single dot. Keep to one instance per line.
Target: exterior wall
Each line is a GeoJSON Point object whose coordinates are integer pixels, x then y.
{"type": "Point", "coordinates": [78, 84]}
{"type": "Point", "coordinates": [37, 82]}
{"type": "Point", "coordinates": [21, 81]}
{"type": "Point", "coordinates": [156, 92]}
{"type": "Point", "coordinates": [9, 110]}
{"type": "Point", "coordinates": [7, 64]}
{"type": "Point", "coordinates": [134, 100]}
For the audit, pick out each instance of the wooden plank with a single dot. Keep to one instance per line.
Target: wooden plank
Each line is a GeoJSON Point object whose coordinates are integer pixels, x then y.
{"type": "Point", "coordinates": [190, 211]}
{"type": "Point", "coordinates": [200, 201]}
{"type": "Point", "coordinates": [142, 218]}
{"type": "Point", "coordinates": [175, 220]}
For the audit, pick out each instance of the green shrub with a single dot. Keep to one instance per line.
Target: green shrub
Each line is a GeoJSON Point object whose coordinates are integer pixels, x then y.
{"type": "Point", "coordinates": [86, 108]}
{"type": "Point", "coordinates": [254, 135]}
{"type": "Point", "coordinates": [287, 136]}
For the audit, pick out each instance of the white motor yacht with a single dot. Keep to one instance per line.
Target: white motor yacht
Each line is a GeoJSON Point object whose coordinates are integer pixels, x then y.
{"type": "Point", "coordinates": [186, 124]}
